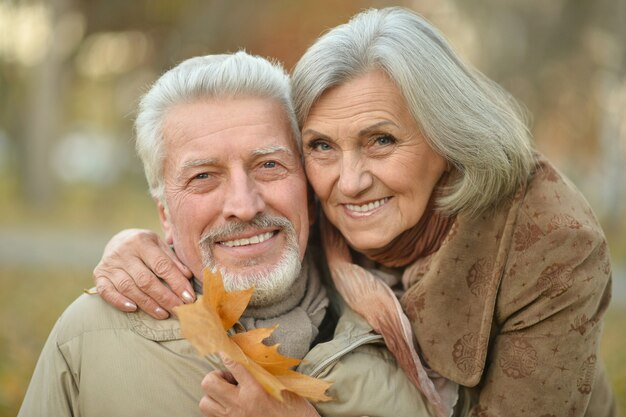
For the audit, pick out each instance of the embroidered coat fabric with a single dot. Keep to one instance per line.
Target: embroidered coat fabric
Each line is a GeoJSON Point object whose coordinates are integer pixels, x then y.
{"type": "Point", "coordinates": [510, 306]}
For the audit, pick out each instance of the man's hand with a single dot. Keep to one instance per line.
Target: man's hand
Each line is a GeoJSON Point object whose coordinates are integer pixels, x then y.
{"type": "Point", "coordinates": [237, 394]}
{"type": "Point", "coordinates": [126, 276]}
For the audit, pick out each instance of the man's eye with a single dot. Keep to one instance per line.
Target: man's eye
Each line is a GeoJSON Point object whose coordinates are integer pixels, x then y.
{"type": "Point", "coordinates": [270, 170]}
{"type": "Point", "coordinates": [202, 176]}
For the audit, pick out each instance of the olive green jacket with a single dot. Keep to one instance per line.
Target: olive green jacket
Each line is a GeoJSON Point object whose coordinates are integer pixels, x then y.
{"type": "Point", "coordinates": [99, 361]}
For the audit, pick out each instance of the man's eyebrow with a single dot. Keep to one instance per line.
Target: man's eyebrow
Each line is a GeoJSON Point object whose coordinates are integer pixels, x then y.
{"type": "Point", "coordinates": [270, 150]}
{"type": "Point", "coordinates": [193, 164]}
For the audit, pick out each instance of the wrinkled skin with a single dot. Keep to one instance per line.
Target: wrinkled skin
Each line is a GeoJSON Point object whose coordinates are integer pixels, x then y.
{"type": "Point", "coordinates": [126, 277]}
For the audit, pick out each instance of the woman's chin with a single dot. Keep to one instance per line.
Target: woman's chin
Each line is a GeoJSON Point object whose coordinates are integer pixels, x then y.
{"type": "Point", "coordinates": [367, 242]}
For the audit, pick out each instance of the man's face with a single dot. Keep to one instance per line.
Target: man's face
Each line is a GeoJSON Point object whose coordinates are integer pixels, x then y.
{"type": "Point", "coordinates": [236, 193]}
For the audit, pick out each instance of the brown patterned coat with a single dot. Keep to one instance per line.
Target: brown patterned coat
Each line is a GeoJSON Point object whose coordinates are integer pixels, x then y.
{"type": "Point", "coordinates": [511, 305]}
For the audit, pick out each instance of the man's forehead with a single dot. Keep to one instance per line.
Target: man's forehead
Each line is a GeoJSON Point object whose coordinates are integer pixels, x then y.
{"type": "Point", "coordinates": [229, 118]}
{"type": "Point", "coordinates": [252, 153]}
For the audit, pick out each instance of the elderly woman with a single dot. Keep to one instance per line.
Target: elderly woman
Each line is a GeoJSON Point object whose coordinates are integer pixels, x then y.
{"type": "Point", "coordinates": [436, 203]}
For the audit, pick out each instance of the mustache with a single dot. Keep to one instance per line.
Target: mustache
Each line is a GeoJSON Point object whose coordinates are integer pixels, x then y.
{"type": "Point", "coordinates": [233, 227]}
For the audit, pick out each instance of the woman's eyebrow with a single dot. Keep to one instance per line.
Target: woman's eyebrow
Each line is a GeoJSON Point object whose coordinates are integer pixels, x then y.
{"type": "Point", "coordinates": [313, 132]}
{"type": "Point", "coordinates": [376, 126]}
{"type": "Point", "coordinates": [363, 132]}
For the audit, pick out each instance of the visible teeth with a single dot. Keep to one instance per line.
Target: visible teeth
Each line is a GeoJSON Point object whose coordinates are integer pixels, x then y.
{"type": "Point", "coordinates": [367, 207]}
{"type": "Point", "coordinates": [248, 241]}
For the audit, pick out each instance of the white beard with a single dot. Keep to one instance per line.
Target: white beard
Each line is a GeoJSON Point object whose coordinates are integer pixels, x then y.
{"type": "Point", "coordinates": [274, 283]}
{"type": "Point", "coordinates": [271, 285]}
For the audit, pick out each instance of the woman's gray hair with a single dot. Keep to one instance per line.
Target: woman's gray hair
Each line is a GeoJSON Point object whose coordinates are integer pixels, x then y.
{"type": "Point", "coordinates": [465, 117]}
{"type": "Point", "coordinates": [207, 77]}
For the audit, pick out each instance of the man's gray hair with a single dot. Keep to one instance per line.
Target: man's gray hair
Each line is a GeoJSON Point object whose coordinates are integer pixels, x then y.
{"type": "Point", "coordinates": [466, 118]}
{"type": "Point", "coordinates": [206, 77]}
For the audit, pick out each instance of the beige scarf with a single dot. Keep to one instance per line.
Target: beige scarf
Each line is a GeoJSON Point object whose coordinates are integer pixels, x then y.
{"type": "Point", "coordinates": [299, 315]}
{"type": "Point", "coordinates": [373, 298]}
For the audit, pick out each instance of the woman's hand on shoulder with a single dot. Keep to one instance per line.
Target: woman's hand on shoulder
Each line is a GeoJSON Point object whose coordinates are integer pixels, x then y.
{"type": "Point", "coordinates": [128, 274]}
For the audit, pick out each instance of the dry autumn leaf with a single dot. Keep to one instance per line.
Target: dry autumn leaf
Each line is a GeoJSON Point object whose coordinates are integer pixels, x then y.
{"type": "Point", "coordinates": [205, 322]}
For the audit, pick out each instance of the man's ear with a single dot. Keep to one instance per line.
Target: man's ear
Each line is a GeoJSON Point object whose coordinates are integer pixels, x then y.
{"type": "Point", "coordinates": [165, 222]}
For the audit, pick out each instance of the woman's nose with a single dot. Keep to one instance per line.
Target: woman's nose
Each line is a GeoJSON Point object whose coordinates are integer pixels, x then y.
{"type": "Point", "coordinates": [354, 177]}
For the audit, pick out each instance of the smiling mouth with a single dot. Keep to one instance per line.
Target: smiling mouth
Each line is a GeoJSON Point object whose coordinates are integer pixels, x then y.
{"type": "Point", "coordinates": [252, 240]}
{"type": "Point", "coordinates": [365, 208]}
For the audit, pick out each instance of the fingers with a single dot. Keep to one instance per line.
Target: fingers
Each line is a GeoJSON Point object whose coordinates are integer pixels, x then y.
{"type": "Point", "coordinates": [220, 395]}
{"type": "Point", "coordinates": [218, 382]}
{"type": "Point", "coordinates": [158, 260]}
{"type": "Point", "coordinates": [150, 257]}
{"type": "Point", "coordinates": [239, 372]}
{"type": "Point", "coordinates": [210, 408]}
{"type": "Point", "coordinates": [107, 291]}
{"type": "Point", "coordinates": [117, 288]}
{"type": "Point", "coordinates": [247, 398]}
{"type": "Point", "coordinates": [125, 274]}
{"type": "Point", "coordinates": [137, 284]}
{"type": "Point", "coordinates": [142, 286]}
{"type": "Point", "coordinates": [171, 270]}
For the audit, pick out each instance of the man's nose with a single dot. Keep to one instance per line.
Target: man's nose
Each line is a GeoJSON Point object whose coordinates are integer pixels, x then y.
{"type": "Point", "coordinates": [243, 198]}
{"type": "Point", "coordinates": [354, 176]}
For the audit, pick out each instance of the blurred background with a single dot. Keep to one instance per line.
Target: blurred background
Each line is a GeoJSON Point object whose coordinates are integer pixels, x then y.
{"type": "Point", "coordinates": [71, 73]}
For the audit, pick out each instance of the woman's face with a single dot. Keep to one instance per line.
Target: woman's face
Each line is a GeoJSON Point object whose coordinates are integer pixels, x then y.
{"type": "Point", "coordinates": [368, 162]}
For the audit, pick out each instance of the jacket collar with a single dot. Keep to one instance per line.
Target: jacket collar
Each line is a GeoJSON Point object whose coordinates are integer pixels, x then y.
{"type": "Point", "coordinates": [155, 330]}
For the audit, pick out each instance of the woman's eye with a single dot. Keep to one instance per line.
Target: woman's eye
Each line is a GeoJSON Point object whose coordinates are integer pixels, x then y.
{"type": "Point", "coordinates": [318, 145]}
{"type": "Point", "coordinates": [385, 140]}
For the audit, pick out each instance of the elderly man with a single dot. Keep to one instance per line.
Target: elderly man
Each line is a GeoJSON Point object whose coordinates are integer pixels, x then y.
{"type": "Point", "coordinates": [231, 192]}
{"type": "Point", "coordinates": [219, 145]}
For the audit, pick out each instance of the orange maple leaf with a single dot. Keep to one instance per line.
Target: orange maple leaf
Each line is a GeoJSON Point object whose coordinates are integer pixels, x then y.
{"type": "Point", "coordinates": [205, 323]}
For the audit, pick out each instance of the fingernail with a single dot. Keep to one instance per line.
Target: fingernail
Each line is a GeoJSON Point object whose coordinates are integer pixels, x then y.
{"type": "Point", "coordinates": [187, 298]}
{"type": "Point", "coordinates": [130, 306]}
{"type": "Point", "coordinates": [162, 314]}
